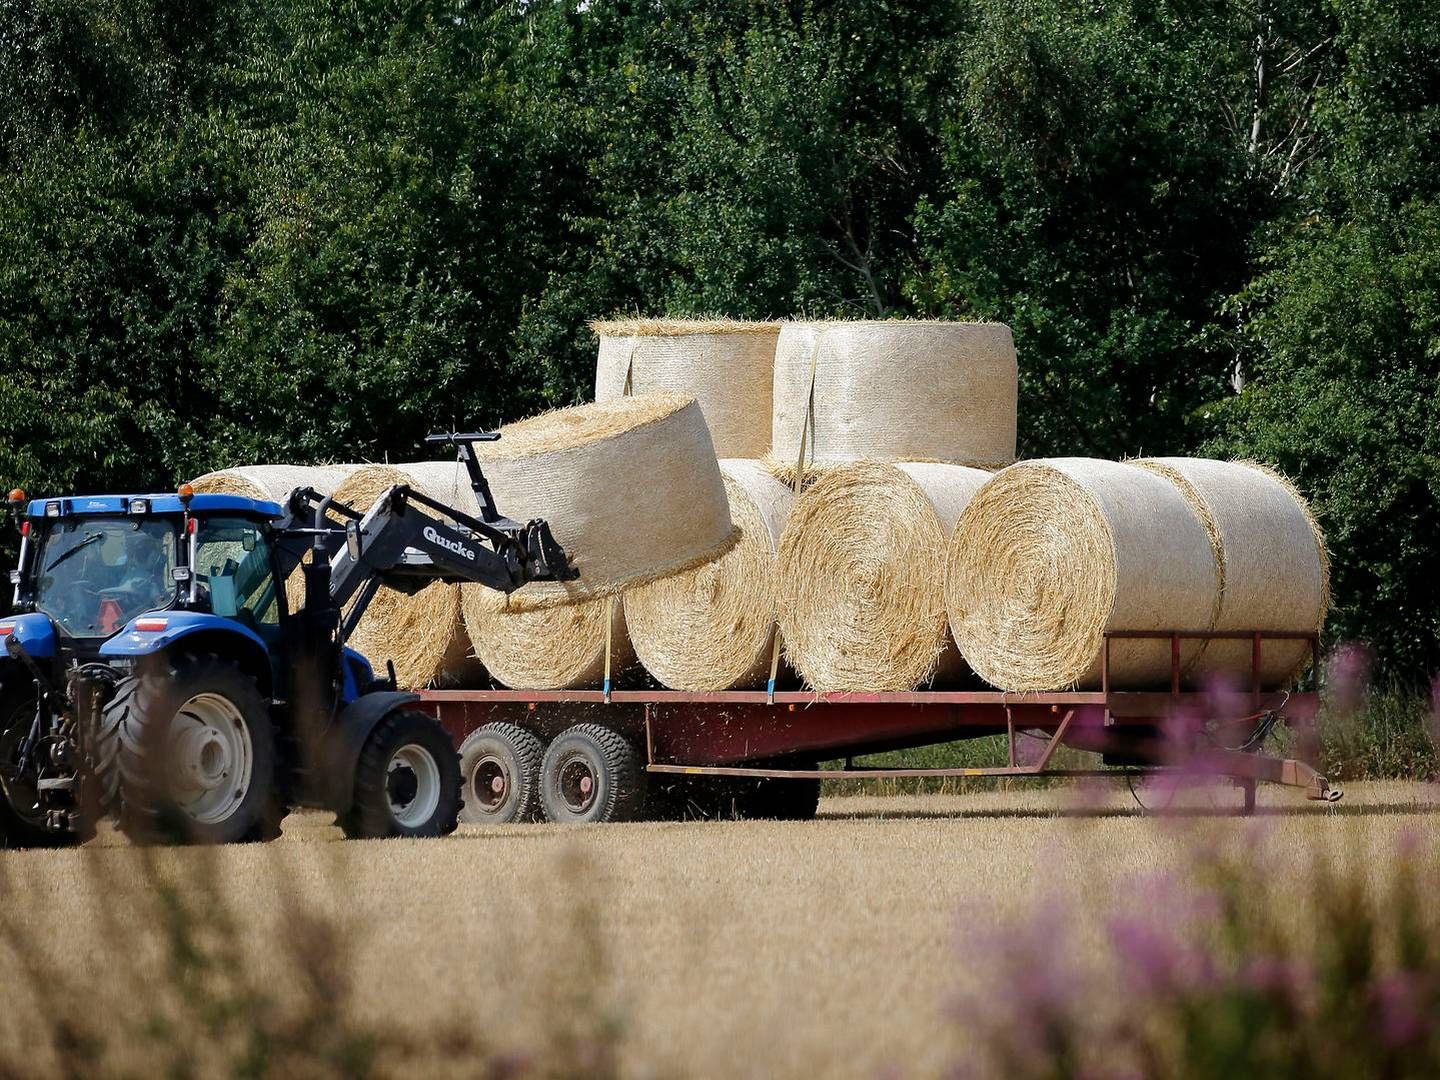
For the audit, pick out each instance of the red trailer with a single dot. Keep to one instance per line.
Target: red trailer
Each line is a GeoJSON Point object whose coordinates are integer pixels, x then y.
{"type": "Point", "coordinates": [585, 755]}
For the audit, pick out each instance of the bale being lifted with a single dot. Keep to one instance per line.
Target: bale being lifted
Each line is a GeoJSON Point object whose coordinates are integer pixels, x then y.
{"type": "Point", "coordinates": [423, 633]}
{"type": "Point", "coordinates": [861, 573]}
{"type": "Point", "coordinates": [895, 391]}
{"type": "Point", "coordinates": [1274, 571]}
{"type": "Point", "coordinates": [726, 366]}
{"type": "Point", "coordinates": [713, 627]}
{"type": "Point", "coordinates": [631, 489]}
{"type": "Point", "coordinates": [1051, 554]}
{"type": "Point", "coordinates": [633, 492]}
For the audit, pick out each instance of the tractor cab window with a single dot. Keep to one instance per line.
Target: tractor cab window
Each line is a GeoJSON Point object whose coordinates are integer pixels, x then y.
{"type": "Point", "coordinates": [232, 566]}
{"type": "Point", "coordinates": [93, 575]}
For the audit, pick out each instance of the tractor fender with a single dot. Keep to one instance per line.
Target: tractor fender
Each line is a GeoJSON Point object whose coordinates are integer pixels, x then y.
{"type": "Point", "coordinates": [346, 738]}
{"type": "Point", "coordinates": [157, 631]}
{"type": "Point", "coordinates": [34, 630]}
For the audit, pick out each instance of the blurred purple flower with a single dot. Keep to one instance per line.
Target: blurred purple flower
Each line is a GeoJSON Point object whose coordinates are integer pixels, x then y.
{"type": "Point", "coordinates": [1347, 676]}
{"type": "Point", "coordinates": [1158, 959]}
{"type": "Point", "coordinates": [1404, 1004]}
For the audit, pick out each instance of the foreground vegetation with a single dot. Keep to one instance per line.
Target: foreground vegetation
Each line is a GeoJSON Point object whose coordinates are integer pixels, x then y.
{"type": "Point", "coordinates": [285, 231]}
{"type": "Point", "coordinates": [855, 945]}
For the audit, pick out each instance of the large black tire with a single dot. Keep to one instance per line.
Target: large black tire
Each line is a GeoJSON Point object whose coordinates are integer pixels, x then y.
{"type": "Point", "coordinates": [22, 826]}
{"type": "Point", "coordinates": [185, 754]}
{"type": "Point", "coordinates": [500, 775]}
{"type": "Point", "coordinates": [592, 774]}
{"type": "Point", "coordinates": [407, 782]}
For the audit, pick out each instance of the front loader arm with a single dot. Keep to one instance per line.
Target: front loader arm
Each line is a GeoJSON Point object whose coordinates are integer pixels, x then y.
{"type": "Point", "coordinates": [398, 544]}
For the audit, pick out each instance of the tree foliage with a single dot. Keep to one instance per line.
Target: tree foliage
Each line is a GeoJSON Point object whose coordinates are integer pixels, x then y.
{"type": "Point", "coordinates": [295, 230]}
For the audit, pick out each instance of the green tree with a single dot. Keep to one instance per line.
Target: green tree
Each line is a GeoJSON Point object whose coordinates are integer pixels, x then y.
{"type": "Point", "coordinates": [1343, 335]}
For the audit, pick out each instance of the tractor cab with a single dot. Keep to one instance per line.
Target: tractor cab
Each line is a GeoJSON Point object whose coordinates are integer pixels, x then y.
{"type": "Point", "coordinates": [100, 566]}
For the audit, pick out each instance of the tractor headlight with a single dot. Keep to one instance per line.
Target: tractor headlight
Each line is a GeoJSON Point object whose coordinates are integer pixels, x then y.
{"type": "Point", "coordinates": [52, 509]}
{"type": "Point", "coordinates": [139, 506]}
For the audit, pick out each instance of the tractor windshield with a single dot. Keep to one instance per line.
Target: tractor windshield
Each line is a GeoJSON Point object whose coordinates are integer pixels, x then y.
{"type": "Point", "coordinates": [93, 575]}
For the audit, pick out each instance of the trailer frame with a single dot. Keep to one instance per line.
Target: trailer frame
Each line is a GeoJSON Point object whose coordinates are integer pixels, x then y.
{"type": "Point", "coordinates": [785, 734]}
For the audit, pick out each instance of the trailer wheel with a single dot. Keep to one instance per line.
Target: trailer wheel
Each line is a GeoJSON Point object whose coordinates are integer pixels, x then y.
{"type": "Point", "coordinates": [500, 775]}
{"type": "Point", "coordinates": [407, 782]}
{"type": "Point", "coordinates": [187, 753]}
{"type": "Point", "coordinates": [591, 773]}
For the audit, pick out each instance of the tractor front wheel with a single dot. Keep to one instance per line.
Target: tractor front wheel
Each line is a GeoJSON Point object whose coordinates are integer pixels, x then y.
{"type": "Point", "coordinates": [407, 782]}
{"type": "Point", "coordinates": [187, 754]}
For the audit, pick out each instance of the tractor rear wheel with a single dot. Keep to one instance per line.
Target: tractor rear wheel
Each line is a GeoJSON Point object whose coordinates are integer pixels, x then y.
{"type": "Point", "coordinates": [591, 773]}
{"type": "Point", "coordinates": [22, 822]}
{"type": "Point", "coordinates": [187, 755]}
{"type": "Point", "coordinates": [407, 782]}
{"type": "Point", "coordinates": [500, 770]}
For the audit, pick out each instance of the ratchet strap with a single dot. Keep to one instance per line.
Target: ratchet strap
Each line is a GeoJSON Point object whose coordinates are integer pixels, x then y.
{"type": "Point", "coordinates": [627, 391]}
{"type": "Point", "coordinates": [806, 428]}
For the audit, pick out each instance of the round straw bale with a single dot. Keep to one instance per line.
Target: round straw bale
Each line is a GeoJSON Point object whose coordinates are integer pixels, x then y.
{"type": "Point", "coordinates": [272, 482]}
{"type": "Point", "coordinates": [713, 627]}
{"type": "Point", "coordinates": [1050, 555]}
{"type": "Point", "coordinates": [631, 489]}
{"type": "Point", "coordinates": [895, 391]}
{"type": "Point", "coordinates": [861, 571]}
{"type": "Point", "coordinates": [1274, 571]}
{"type": "Point", "coordinates": [726, 366]}
{"type": "Point", "coordinates": [554, 648]}
{"type": "Point", "coordinates": [423, 633]}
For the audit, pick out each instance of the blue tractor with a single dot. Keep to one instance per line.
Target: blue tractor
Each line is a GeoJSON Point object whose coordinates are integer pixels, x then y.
{"type": "Point", "coordinates": [154, 672]}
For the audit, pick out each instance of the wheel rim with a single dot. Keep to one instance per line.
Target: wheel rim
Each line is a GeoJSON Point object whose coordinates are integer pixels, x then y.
{"type": "Point", "coordinates": [578, 785]}
{"type": "Point", "coordinates": [213, 756]}
{"type": "Point", "coordinates": [412, 782]}
{"type": "Point", "coordinates": [490, 784]}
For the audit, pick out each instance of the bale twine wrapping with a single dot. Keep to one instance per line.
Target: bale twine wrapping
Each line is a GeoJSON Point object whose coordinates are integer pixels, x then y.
{"type": "Point", "coordinates": [726, 366]}
{"type": "Point", "coordinates": [861, 571]}
{"type": "Point", "coordinates": [1051, 554]}
{"type": "Point", "coordinates": [272, 482]}
{"type": "Point", "coordinates": [1274, 570]}
{"type": "Point", "coordinates": [423, 634]}
{"type": "Point", "coordinates": [554, 648]}
{"type": "Point", "coordinates": [895, 391]}
{"type": "Point", "coordinates": [631, 489]}
{"type": "Point", "coordinates": [713, 627]}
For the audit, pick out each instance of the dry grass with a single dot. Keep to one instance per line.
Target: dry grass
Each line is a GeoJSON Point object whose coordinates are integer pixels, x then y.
{"type": "Point", "coordinates": [821, 948]}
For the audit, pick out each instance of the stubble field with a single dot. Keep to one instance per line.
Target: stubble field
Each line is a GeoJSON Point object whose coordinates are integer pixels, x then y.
{"type": "Point", "coordinates": [833, 947]}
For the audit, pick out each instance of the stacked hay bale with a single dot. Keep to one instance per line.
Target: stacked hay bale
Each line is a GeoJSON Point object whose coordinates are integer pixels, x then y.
{"type": "Point", "coordinates": [421, 633]}
{"type": "Point", "coordinates": [632, 490]}
{"type": "Point", "coordinates": [726, 366]}
{"type": "Point", "coordinates": [1050, 555]}
{"type": "Point", "coordinates": [272, 482]}
{"type": "Point", "coordinates": [1272, 565]}
{"type": "Point", "coordinates": [894, 391]}
{"type": "Point", "coordinates": [861, 575]}
{"type": "Point", "coordinates": [713, 627]}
